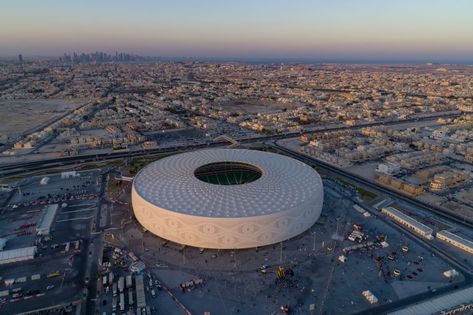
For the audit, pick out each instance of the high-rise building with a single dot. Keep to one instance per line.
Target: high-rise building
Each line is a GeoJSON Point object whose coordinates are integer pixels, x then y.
{"type": "Point", "coordinates": [20, 58]}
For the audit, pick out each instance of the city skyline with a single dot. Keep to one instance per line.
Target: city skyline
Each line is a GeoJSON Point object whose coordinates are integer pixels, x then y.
{"type": "Point", "coordinates": [366, 31]}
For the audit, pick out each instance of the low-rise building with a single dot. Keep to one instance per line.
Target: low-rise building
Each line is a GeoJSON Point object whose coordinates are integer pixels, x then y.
{"type": "Point", "coordinates": [400, 184]}
{"type": "Point", "coordinates": [455, 240]}
{"type": "Point", "coordinates": [448, 179]}
{"type": "Point", "coordinates": [16, 255]}
{"type": "Point", "coordinates": [388, 168]}
{"type": "Point", "coordinates": [408, 221]}
{"type": "Point", "coordinates": [47, 218]}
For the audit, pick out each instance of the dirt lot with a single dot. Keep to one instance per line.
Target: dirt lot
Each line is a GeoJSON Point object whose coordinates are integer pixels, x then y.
{"type": "Point", "coordinates": [19, 116]}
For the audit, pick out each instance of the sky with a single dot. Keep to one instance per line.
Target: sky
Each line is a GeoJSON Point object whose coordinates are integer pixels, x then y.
{"type": "Point", "coordinates": [410, 30]}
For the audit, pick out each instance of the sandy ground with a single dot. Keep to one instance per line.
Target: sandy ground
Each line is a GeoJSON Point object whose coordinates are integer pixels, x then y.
{"type": "Point", "coordinates": [19, 116]}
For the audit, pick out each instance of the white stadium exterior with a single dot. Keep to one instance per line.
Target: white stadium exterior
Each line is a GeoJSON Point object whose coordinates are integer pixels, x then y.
{"type": "Point", "coordinates": [227, 198]}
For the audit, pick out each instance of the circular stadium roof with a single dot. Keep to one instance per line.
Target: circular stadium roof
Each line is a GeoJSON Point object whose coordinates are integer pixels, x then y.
{"type": "Point", "coordinates": [227, 198]}
{"type": "Point", "coordinates": [170, 183]}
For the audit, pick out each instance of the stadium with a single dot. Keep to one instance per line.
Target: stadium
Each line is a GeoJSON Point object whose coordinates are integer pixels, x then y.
{"type": "Point", "coordinates": [227, 198]}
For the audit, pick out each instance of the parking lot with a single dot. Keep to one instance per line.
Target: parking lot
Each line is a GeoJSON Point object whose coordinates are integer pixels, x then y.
{"type": "Point", "coordinates": [57, 273]}
{"type": "Point", "coordinates": [41, 190]}
{"type": "Point", "coordinates": [54, 275]}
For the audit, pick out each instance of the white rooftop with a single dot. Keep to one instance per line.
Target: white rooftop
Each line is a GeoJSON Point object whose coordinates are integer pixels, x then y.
{"type": "Point", "coordinates": [16, 253]}
{"type": "Point", "coordinates": [456, 238]}
{"type": "Point", "coordinates": [436, 305]}
{"type": "Point", "coordinates": [424, 228]}
{"type": "Point", "coordinates": [170, 183]}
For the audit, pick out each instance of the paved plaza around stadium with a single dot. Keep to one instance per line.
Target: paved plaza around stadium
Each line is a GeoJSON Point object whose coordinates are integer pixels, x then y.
{"type": "Point", "coordinates": [320, 279]}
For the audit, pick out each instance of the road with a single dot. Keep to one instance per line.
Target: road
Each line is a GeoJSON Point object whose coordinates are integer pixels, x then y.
{"type": "Point", "coordinates": [95, 248]}
{"type": "Point", "coordinates": [22, 167]}
{"type": "Point", "coordinates": [375, 186]}
{"type": "Point", "coordinates": [452, 260]}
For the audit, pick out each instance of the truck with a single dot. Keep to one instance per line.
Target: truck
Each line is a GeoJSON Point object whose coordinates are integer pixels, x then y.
{"type": "Point", "coordinates": [17, 295]}
{"type": "Point", "coordinates": [129, 282]}
{"type": "Point", "coordinates": [361, 210]}
{"type": "Point", "coordinates": [121, 284]}
{"type": "Point", "coordinates": [16, 290]}
{"type": "Point", "coordinates": [110, 278]}
{"type": "Point", "coordinates": [122, 301]}
{"type": "Point", "coordinates": [104, 280]}
{"type": "Point", "coordinates": [114, 289]}
{"type": "Point", "coordinates": [36, 277]}
{"type": "Point", "coordinates": [20, 280]}
{"type": "Point", "coordinates": [140, 291]}
{"type": "Point", "coordinates": [4, 293]}
{"type": "Point", "coordinates": [114, 303]}
{"type": "Point", "coordinates": [130, 297]}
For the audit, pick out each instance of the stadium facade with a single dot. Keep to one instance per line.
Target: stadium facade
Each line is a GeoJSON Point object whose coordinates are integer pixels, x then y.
{"type": "Point", "coordinates": [227, 198]}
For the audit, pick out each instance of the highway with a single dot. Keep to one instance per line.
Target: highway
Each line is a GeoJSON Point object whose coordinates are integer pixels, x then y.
{"type": "Point", "coordinates": [22, 167]}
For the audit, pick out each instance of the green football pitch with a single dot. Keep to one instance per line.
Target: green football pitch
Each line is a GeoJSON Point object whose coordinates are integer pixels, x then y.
{"type": "Point", "coordinates": [228, 173]}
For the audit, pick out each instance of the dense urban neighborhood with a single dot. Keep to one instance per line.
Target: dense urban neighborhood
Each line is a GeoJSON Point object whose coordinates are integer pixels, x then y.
{"type": "Point", "coordinates": [95, 149]}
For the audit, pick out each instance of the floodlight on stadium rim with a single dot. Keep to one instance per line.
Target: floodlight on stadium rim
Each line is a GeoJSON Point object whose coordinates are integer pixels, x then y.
{"type": "Point", "coordinates": [227, 198]}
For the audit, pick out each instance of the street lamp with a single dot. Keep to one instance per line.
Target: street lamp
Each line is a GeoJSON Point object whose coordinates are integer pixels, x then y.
{"type": "Point", "coordinates": [314, 234]}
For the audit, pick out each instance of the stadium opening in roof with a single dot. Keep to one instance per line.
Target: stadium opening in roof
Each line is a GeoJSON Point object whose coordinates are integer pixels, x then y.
{"type": "Point", "coordinates": [227, 198]}
{"type": "Point", "coordinates": [228, 173]}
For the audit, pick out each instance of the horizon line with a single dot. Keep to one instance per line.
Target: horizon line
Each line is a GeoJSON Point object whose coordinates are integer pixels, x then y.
{"type": "Point", "coordinates": [269, 59]}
